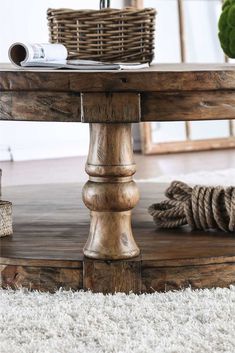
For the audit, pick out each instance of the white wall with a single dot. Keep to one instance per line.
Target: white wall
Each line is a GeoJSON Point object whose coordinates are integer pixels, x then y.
{"type": "Point", "coordinates": [25, 20]}
{"type": "Point", "coordinates": [202, 45]}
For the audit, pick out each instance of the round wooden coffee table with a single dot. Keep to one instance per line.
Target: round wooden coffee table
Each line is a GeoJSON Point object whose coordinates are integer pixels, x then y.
{"type": "Point", "coordinates": [46, 252]}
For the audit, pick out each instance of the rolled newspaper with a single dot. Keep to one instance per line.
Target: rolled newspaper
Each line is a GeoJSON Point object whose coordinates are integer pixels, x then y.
{"type": "Point", "coordinates": [54, 56]}
{"type": "Point", "coordinates": [24, 54]}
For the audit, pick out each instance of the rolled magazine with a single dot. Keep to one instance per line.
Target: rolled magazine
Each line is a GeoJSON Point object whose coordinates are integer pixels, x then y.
{"type": "Point", "coordinates": [25, 54]}
{"type": "Point", "coordinates": [54, 56]}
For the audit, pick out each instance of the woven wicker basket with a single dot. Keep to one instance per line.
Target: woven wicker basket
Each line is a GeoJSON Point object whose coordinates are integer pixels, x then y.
{"type": "Point", "coordinates": [125, 35]}
{"type": "Point", "coordinates": [5, 218]}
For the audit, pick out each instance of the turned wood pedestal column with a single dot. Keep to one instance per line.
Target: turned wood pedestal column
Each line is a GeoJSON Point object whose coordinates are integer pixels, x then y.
{"type": "Point", "coordinates": [110, 193]}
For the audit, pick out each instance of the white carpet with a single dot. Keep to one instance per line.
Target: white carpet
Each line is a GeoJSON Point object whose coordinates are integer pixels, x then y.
{"type": "Point", "coordinates": [66, 322]}
{"type": "Point", "coordinates": [224, 177]}
{"type": "Point", "coordinates": [174, 322]}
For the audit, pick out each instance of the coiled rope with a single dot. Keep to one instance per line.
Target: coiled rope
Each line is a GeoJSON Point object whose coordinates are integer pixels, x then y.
{"type": "Point", "coordinates": [202, 207]}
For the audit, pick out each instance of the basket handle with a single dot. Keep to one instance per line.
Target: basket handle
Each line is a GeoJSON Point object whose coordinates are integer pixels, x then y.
{"type": "Point", "coordinates": [104, 4]}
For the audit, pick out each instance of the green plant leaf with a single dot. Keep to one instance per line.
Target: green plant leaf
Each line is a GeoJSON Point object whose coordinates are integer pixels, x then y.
{"type": "Point", "coordinates": [232, 43]}
{"type": "Point", "coordinates": [226, 27]}
{"type": "Point", "coordinates": [223, 24]}
{"type": "Point", "coordinates": [231, 16]}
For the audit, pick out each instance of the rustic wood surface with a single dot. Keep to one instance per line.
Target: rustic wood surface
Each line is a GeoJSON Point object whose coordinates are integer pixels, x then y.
{"type": "Point", "coordinates": [110, 107]}
{"type": "Point", "coordinates": [159, 93]}
{"type": "Point", "coordinates": [193, 105]}
{"type": "Point", "coordinates": [156, 78]}
{"type": "Point", "coordinates": [111, 277]}
{"type": "Point", "coordinates": [40, 106]}
{"type": "Point", "coordinates": [42, 278]}
{"type": "Point", "coordinates": [98, 108]}
{"type": "Point", "coordinates": [51, 227]}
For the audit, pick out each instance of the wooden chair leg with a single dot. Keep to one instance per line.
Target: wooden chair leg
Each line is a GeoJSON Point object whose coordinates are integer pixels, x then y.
{"type": "Point", "coordinates": [110, 193]}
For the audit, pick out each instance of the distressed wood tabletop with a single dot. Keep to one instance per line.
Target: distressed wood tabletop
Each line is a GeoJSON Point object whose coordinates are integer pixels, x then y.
{"type": "Point", "coordinates": [162, 92]}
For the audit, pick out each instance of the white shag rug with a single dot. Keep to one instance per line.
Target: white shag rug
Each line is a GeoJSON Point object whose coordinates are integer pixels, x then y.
{"type": "Point", "coordinates": [225, 177]}
{"type": "Point", "coordinates": [77, 322]}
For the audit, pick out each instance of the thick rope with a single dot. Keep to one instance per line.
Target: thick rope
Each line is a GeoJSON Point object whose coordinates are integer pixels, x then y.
{"type": "Point", "coordinates": [202, 207]}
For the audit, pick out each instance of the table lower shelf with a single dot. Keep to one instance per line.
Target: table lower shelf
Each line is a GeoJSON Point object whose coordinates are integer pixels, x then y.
{"type": "Point", "coordinates": [50, 229]}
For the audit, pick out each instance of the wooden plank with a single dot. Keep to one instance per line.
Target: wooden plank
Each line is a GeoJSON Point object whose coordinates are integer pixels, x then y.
{"type": "Point", "coordinates": [7, 67]}
{"type": "Point", "coordinates": [159, 77]}
{"type": "Point", "coordinates": [189, 146]}
{"type": "Point", "coordinates": [51, 227]}
{"type": "Point", "coordinates": [146, 138]}
{"type": "Point", "coordinates": [15, 80]}
{"type": "Point", "coordinates": [40, 278]}
{"type": "Point", "coordinates": [118, 107]}
{"type": "Point", "coordinates": [181, 31]}
{"type": "Point", "coordinates": [58, 106]}
{"type": "Point", "coordinates": [178, 106]}
{"type": "Point", "coordinates": [36, 260]}
{"type": "Point", "coordinates": [175, 278]}
{"type": "Point", "coordinates": [110, 107]}
{"type": "Point", "coordinates": [183, 53]}
{"type": "Point", "coordinates": [40, 106]}
{"type": "Point", "coordinates": [111, 277]}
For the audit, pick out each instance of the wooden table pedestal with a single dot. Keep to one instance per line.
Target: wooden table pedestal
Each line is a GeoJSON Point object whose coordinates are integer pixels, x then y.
{"type": "Point", "coordinates": [110, 193]}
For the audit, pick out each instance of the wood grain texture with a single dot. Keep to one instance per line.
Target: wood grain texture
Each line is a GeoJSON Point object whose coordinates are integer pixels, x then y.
{"type": "Point", "coordinates": [110, 194]}
{"type": "Point", "coordinates": [40, 278]}
{"type": "Point", "coordinates": [167, 92]}
{"type": "Point", "coordinates": [181, 22]}
{"type": "Point", "coordinates": [162, 279]}
{"type": "Point", "coordinates": [146, 138]}
{"type": "Point", "coordinates": [164, 106]}
{"type": "Point", "coordinates": [40, 106]}
{"type": "Point", "coordinates": [110, 107]}
{"type": "Point", "coordinates": [51, 227]}
{"type": "Point", "coordinates": [157, 78]}
{"type": "Point", "coordinates": [112, 277]}
{"type": "Point", "coordinates": [180, 106]}
{"type": "Point", "coordinates": [188, 146]}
